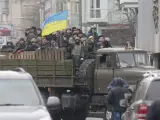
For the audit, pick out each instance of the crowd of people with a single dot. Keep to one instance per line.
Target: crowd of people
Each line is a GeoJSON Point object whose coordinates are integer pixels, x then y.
{"type": "Point", "coordinates": [72, 39]}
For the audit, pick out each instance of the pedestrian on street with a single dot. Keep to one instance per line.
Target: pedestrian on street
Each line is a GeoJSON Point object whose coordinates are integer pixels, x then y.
{"type": "Point", "coordinates": [115, 96]}
{"type": "Point", "coordinates": [113, 82]}
{"type": "Point", "coordinates": [153, 111]}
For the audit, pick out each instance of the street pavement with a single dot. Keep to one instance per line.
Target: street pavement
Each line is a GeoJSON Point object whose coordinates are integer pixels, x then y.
{"type": "Point", "coordinates": [94, 118]}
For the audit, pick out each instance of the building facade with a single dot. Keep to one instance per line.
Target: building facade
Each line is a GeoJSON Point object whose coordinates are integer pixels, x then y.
{"type": "Point", "coordinates": [131, 8]}
{"type": "Point", "coordinates": [59, 5]}
{"type": "Point", "coordinates": [20, 14]}
{"type": "Point", "coordinates": [47, 8]}
{"type": "Point", "coordinates": [129, 3]}
{"type": "Point", "coordinates": [148, 28]}
{"type": "Point", "coordinates": [110, 20]}
{"type": "Point", "coordinates": [102, 12]}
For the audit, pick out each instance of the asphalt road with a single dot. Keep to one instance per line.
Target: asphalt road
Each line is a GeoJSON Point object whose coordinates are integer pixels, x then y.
{"type": "Point", "coordinates": [94, 119]}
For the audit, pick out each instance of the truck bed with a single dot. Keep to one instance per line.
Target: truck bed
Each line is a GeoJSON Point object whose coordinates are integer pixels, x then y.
{"type": "Point", "coordinates": [46, 73]}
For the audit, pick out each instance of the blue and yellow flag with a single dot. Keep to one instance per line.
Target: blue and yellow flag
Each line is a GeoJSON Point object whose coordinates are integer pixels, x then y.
{"type": "Point", "coordinates": [54, 23]}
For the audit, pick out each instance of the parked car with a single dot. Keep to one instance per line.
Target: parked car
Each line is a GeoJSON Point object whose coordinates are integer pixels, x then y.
{"type": "Point", "coordinates": [21, 99]}
{"type": "Point", "coordinates": [146, 92]}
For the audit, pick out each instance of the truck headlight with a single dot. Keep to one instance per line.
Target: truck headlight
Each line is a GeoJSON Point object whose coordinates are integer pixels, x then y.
{"type": "Point", "coordinates": [46, 118]}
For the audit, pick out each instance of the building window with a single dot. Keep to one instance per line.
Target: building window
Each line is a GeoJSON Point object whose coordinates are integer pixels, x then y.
{"type": "Point", "coordinates": [64, 6]}
{"type": "Point", "coordinates": [95, 11]}
{"type": "Point", "coordinates": [92, 14]}
{"type": "Point", "coordinates": [92, 3]}
{"type": "Point", "coordinates": [98, 13]}
{"type": "Point", "coordinates": [75, 7]}
{"type": "Point", "coordinates": [60, 7]}
{"type": "Point", "coordinates": [97, 3]}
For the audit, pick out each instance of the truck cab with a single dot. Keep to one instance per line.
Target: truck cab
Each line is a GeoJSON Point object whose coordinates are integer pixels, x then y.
{"type": "Point", "coordinates": [128, 64]}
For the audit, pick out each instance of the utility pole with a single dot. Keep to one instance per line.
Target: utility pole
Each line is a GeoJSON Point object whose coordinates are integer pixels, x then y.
{"type": "Point", "coordinates": [80, 13]}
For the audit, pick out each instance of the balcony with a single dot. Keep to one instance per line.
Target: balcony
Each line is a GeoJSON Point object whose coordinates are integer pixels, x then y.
{"type": "Point", "coordinates": [129, 3]}
{"type": "Point", "coordinates": [104, 17]}
{"type": "Point", "coordinates": [96, 16]}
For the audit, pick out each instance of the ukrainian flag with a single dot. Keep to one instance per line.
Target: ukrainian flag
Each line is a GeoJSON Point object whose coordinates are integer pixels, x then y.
{"type": "Point", "coordinates": [54, 23]}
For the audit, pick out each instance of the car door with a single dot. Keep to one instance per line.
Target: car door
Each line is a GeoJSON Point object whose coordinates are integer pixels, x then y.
{"type": "Point", "coordinates": [138, 97]}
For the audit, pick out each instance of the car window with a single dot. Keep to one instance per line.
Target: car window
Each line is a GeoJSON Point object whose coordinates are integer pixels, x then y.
{"type": "Point", "coordinates": [18, 92]}
{"type": "Point", "coordinates": [140, 92]}
{"type": "Point", "coordinates": [153, 91]}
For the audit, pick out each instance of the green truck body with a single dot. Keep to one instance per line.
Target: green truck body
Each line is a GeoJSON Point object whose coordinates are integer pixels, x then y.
{"type": "Point", "coordinates": [46, 73]}
{"type": "Point", "coordinates": [87, 83]}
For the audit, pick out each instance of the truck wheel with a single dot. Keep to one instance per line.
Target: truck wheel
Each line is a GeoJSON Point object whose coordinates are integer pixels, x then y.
{"type": "Point", "coordinates": [82, 113]}
{"type": "Point", "coordinates": [56, 117]}
{"type": "Point", "coordinates": [86, 72]}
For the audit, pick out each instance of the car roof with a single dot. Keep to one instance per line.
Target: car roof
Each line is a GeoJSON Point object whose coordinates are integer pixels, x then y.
{"type": "Point", "coordinates": [10, 75]}
{"type": "Point", "coordinates": [119, 49]}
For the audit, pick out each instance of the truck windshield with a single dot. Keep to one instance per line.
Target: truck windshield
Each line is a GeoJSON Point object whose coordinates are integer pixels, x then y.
{"type": "Point", "coordinates": [132, 59]}
{"type": "Point", "coordinates": [126, 59]}
{"type": "Point", "coordinates": [18, 92]}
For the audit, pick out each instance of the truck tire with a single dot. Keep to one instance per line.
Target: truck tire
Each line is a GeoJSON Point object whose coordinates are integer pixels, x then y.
{"type": "Point", "coordinates": [85, 75]}
{"type": "Point", "coordinates": [77, 115]}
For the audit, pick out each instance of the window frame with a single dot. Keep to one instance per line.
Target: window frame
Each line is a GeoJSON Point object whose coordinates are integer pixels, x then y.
{"type": "Point", "coordinates": [112, 61]}
{"type": "Point", "coordinates": [94, 8]}
{"type": "Point", "coordinates": [149, 86]}
{"type": "Point", "coordinates": [118, 55]}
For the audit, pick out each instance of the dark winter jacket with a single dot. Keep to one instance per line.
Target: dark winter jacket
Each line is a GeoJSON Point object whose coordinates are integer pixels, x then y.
{"type": "Point", "coordinates": [107, 44]}
{"type": "Point", "coordinates": [115, 96]}
{"type": "Point", "coordinates": [20, 47]}
{"type": "Point", "coordinates": [32, 47]}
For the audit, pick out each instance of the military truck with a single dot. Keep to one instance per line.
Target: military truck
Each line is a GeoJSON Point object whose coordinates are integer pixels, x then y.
{"type": "Point", "coordinates": [82, 92]}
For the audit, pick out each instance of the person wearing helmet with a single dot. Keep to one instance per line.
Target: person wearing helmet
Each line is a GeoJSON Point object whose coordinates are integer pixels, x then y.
{"type": "Point", "coordinates": [115, 97]}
